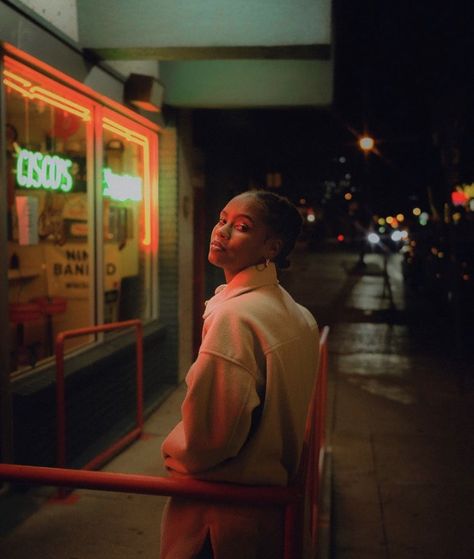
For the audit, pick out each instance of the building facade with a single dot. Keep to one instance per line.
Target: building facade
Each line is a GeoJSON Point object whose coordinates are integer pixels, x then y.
{"type": "Point", "coordinates": [89, 235]}
{"type": "Point", "coordinates": [106, 205]}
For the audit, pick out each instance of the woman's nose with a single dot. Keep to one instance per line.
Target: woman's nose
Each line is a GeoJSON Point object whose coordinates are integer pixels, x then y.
{"type": "Point", "coordinates": [224, 231]}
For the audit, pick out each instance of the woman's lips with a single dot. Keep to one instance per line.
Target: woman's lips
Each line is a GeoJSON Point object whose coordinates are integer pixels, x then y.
{"type": "Point", "coordinates": [216, 245]}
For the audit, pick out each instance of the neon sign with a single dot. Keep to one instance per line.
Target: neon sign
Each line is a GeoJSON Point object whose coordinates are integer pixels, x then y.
{"type": "Point", "coordinates": [38, 170]}
{"type": "Point", "coordinates": [121, 187]}
{"type": "Point", "coordinates": [143, 142]}
{"type": "Point", "coordinates": [32, 91]}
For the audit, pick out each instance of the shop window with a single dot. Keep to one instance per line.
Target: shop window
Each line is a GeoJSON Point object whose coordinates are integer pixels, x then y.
{"type": "Point", "coordinates": [127, 203]}
{"type": "Point", "coordinates": [49, 134]}
{"type": "Point", "coordinates": [56, 182]}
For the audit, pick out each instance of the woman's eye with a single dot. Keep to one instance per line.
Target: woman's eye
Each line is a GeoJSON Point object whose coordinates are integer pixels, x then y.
{"type": "Point", "coordinates": [242, 227]}
{"type": "Point", "coordinates": [221, 221]}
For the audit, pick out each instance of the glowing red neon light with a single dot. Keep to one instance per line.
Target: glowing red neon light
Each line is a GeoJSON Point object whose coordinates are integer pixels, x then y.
{"type": "Point", "coordinates": [71, 82]}
{"type": "Point", "coordinates": [30, 91]}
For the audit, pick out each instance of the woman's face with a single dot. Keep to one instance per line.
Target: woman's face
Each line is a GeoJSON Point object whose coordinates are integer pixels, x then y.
{"type": "Point", "coordinates": [240, 238]}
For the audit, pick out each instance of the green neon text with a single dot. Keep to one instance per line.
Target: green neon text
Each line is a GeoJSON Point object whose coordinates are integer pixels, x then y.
{"type": "Point", "coordinates": [121, 187]}
{"type": "Point", "coordinates": [38, 170]}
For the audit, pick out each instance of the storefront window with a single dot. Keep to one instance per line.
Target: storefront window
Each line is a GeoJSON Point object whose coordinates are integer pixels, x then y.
{"type": "Point", "coordinates": [127, 201]}
{"type": "Point", "coordinates": [48, 131]}
{"type": "Point", "coordinates": [56, 182]}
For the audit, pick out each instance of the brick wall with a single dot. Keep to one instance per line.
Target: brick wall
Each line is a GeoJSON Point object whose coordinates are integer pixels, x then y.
{"type": "Point", "coordinates": [186, 246]}
{"type": "Point", "coordinates": [168, 273]}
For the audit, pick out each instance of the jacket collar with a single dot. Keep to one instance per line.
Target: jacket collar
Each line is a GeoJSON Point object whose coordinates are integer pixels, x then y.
{"type": "Point", "coordinates": [247, 280]}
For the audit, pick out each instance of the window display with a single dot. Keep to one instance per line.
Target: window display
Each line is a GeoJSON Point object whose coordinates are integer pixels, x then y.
{"type": "Point", "coordinates": [127, 201]}
{"type": "Point", "coordinates": [81, 225]}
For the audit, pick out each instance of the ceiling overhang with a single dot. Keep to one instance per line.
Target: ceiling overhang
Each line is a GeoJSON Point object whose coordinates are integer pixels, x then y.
{"type": "Point", "coordinates": [220, 53]}
{"type": "Point", "coordinates": [287, 52]}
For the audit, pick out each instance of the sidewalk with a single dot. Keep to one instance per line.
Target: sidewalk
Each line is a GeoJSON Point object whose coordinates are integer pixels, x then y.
{"type": "Point", "coordinates": [100, 524]}
{"type": "Point", "coordinates": [401, 429]}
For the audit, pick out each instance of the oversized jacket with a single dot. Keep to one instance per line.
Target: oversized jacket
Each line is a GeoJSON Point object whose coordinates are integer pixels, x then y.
{"type": "Point", "coordinates": [243, 415]}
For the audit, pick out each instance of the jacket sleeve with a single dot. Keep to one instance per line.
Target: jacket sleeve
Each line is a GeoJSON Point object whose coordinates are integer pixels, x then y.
{"type": "Point", "coordinates": [216, 415]}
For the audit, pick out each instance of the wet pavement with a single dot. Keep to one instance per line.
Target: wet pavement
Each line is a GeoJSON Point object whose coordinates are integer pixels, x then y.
{"type": "Point", "coordinates": [401, 430]}
{"type": "Point", "coordinates": [402, 413]}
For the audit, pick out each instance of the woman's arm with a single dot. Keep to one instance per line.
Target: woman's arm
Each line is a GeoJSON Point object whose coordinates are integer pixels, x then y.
{"type": "Point", "coordinates": [216, 415]}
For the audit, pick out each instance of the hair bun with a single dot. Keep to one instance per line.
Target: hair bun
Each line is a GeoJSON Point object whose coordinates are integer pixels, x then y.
{"type": "Point", "coordinates": [283, 217]}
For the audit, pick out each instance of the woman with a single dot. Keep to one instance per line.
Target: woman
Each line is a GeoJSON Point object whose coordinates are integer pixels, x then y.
{"type": "Point", "coordinates": [248, 390]}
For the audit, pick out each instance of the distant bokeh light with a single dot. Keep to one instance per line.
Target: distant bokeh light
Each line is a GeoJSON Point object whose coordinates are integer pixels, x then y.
{"type": "Point", "coordinates": [366, 143]}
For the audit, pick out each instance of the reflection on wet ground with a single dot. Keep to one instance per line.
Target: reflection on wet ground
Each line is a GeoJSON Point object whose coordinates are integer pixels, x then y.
{"type": "Point", "coordinates": [402, 411]}
{"type": "Point", "coordinates": [380, 332]}
{"type": "Point", "coordinates": [368, 320]}
{"type": "Point", "coordinates": [398, 393]}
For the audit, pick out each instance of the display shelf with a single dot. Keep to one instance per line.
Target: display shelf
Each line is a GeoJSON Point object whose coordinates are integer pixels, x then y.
{"type": "Point", "coordinates": [23, 274]}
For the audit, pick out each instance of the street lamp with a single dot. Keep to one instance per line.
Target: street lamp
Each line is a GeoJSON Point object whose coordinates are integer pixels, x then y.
{"type": "Point", "coordinates": [366, 143]}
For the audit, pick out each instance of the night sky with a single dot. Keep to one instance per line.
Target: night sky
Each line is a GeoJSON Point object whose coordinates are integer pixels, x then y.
{"type": "Point", "coordinates": [402, 72]}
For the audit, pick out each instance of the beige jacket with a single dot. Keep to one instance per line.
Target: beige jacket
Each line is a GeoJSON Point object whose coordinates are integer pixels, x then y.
{"type": "Point", "coordinates": [244, 412]}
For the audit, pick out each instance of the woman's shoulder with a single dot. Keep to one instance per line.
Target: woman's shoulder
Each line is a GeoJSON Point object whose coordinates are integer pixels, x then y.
{"type": "Point", "coordinates": [308, 315]}
{"type": "Point", "coordinates": [270, 305]}
{"type": "Point", "coordinates": [244, 308]}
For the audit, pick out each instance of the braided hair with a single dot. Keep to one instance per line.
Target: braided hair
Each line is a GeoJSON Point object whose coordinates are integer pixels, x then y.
{"type": "Point", "coordinates": [283, 218]}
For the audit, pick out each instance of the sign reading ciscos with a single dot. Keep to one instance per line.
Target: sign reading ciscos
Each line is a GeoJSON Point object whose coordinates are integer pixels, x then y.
{"type": "Point", "coordinates": [37, 170]}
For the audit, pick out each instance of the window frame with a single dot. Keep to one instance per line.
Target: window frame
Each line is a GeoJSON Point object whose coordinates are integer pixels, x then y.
{"type": "Point", "coordinates": [99, 106]}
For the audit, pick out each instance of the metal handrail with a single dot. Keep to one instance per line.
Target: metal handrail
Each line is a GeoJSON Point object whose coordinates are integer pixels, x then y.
{"type": "Point", "coordinates": [60, 391]}
{"type": "Point", "coordinates": [292, 498]}
{"type": "Point", "coordinates": [149, 485]}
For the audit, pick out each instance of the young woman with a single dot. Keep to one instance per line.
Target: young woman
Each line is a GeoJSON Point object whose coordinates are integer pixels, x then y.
{"type": "Point", "coordinates": [248, 390]}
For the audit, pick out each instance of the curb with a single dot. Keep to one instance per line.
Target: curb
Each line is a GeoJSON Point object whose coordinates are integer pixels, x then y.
{"type": "Point", "coordinates": [324, 522]}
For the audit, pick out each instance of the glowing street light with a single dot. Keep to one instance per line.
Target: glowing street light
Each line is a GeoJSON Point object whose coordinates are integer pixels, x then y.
{"type": "Point", "coordinates": [366, 143]}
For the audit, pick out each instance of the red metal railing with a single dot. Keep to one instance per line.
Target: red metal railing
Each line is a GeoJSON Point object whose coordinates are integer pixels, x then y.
{"type": "Point", "coordinates": [60, 392]}
{"type": "Point", "coordinates": [317, 433]}
{"type": "Point", "coordinates": [305, 491]}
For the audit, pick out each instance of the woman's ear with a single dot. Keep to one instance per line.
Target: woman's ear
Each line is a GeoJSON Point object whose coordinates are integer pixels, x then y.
{"type": "Point", "coordinates": [274, 247]}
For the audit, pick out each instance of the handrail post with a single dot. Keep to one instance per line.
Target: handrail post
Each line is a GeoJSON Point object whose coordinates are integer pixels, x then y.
{"type": "Point", "coordinates": [60, 389]}
{"type": "Point", "coordinates": [60, 403]}
{"type": "Point", "coordinates": [291, 499]}
{"type": "Point", "coordinates": [139, 374]}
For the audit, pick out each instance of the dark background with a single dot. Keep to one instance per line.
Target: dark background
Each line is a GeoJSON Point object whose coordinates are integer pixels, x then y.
{"type": "Point", "coordinates": [403, 73]}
